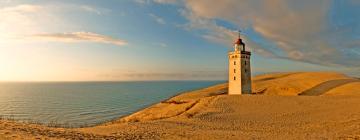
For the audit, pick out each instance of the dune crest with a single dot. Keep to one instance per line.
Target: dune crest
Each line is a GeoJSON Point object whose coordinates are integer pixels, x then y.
{"type": "Point", "coordinates": [302, 83]}
{"type": "Point", "coordinates": [211, 114]}
{"type": "Point", "coordinates": [177, 105]}
{"type": "Point", "coordinates": [320, 112]}
{"type": "Point", "coordinates": [284, 84]}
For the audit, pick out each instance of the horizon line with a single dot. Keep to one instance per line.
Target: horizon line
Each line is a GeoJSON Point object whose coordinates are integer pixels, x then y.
{"type": "Point", "coordinates": [93, 81]}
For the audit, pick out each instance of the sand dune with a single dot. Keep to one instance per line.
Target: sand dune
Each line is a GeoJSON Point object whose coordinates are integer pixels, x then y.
{"type": "Point", "coordinates": [290, 84]}
{"type": "Point", "coordinates": [317, 105]}
{"type": "Point", "coordinates": [302, 83]}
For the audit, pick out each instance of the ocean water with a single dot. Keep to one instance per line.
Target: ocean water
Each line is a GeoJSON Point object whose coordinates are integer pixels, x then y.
{"type": "Point", "coordinates": [77, 104]}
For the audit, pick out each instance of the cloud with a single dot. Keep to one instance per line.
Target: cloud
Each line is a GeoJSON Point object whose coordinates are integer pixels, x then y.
{"type": "Point", "coordinates": [167, 1]}
{"type": "Point", "coordinates": [24, 23]}
{"type": "Point", "coordinates": [79, 37]}
{"type": "Point", "coordinates": [299, 29]}
{"type": "Point", "coordinates": [157, 1]}
{"type": "Point", "coordinates": [65, 7]}
{"type": "Point", "coordinates": [157, 19]}
{"type": "Point", "coordinates": [142, 1]}
{"type": "Point", "coordinates": [19, 19]}
{"type": "Point", "coordinates": [218, 33]}
{"type": "Point", "coordinates": [92, 9]}
{"type": "Point", "coordinates": [22, 8]}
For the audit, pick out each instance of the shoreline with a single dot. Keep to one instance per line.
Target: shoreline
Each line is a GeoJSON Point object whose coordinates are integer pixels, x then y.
{"type": "Point", "coordinates": [279, 113]}
{"type": "Point", "coordinates": [57, 124]}
{"type": "Point", "coordinates": [76, 131]}
{"type": "Point", "coordinates": [139, 110]}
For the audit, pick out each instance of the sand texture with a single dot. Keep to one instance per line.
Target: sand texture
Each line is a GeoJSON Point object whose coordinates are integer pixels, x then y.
{"type": "Point", "coordinates": [303, 105]}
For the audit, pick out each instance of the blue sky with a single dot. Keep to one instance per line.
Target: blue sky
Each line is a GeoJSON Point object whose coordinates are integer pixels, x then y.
{"type": "Point", "coordinates": [82, 40]}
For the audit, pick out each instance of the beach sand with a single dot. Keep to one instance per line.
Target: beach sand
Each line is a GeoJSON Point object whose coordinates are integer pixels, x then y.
{"type": "Point", "coordinates": [303, 105]}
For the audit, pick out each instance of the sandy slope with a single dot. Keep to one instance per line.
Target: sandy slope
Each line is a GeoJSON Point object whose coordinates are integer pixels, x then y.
{"type": "Point", "coordinates": [305, 83]}
{"type": "Point", "coordinates": [329, 107]}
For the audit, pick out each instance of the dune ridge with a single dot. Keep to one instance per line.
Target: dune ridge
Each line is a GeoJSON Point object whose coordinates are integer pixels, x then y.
{"type": "Point", "coordinates": [301, 83]}
{"type": "Point", "coordinates": [300, 105]}
{"type": "Point", "coordinates": [310, 84]}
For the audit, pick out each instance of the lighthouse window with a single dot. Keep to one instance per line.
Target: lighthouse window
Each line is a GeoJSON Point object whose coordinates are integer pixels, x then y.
{"type": "Point", "coordinates": [245, 62]}
{"type": "Point", "coordinates": [245, 70]}
{"type": "Point", "coordinates": [234, 78]}
{"type": "Point", "coordinates": [234, 62]}
{"type": "Point", "coordinates": [234, 70]}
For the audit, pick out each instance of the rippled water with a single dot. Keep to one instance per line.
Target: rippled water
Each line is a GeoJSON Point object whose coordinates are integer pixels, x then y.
{"type": "Point", "coordinates": [78, 104]}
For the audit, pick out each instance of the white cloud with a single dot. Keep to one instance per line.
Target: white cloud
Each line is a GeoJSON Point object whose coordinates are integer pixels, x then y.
{"type": "Point", "coordinates": [297, 28]}
{"type": "Point", "coordinates": [219, 34]}
{"type": "Point", "coordinates": [92, 9]}
{"type": "Point", "coordinates": [22, 8]}
{"type": "Point", "coordinates": [157, 1]}
{"type": "Point", "coordinates": [19, 19]}
{"type": "Point", "coordinates": [157, 19]}
{"type": "Point", "coordinates": [166, 1]}
{"type": "Point", "coordinates": [142, 1]}
{"type": "Point", "coordinates": [79, 37]}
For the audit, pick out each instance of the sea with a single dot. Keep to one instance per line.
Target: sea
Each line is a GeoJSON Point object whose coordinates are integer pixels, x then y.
{"type": "Point", "coordinates": [80, 104]}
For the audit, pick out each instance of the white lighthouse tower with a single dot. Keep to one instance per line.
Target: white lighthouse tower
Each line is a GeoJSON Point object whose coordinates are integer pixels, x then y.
{"type": "Point", "coordinates": [239, 69]}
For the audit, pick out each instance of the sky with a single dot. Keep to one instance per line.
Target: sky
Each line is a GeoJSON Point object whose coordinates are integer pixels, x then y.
{"type": "Point", "coordinates": [136, 40]}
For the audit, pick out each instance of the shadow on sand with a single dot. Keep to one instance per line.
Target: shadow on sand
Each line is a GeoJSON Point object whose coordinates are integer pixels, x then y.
{"type": "Point", "coordinates": [327, 86]}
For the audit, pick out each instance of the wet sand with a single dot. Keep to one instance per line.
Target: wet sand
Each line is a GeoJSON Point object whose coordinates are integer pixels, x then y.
{"type": "Point", "coordinates": [311, 105]}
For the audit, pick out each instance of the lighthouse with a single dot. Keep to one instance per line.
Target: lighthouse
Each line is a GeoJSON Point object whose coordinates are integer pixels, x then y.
{"type": "Point", "coordinates": [239, 69]}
